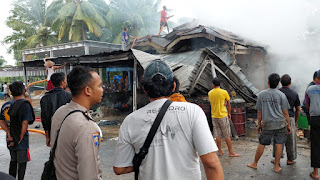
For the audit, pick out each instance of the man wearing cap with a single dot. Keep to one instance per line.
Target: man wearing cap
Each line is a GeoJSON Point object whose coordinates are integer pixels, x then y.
{"type": "Point", "coordinates": [77, 151]}
{"type": "Point", "coordinates": [312, 102]}
{"type": "Point", "coordinates": [181, 138]}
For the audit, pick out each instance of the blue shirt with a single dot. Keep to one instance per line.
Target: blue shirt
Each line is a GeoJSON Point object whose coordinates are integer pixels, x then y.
{"type": "Point", "coordinates": [24, 144]}
{"type": "Point", "coordinates": [126, 36]}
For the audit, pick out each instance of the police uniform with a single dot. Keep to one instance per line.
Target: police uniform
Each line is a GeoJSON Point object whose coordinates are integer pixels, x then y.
{"type": "Point", "coordinates": [77, 152]}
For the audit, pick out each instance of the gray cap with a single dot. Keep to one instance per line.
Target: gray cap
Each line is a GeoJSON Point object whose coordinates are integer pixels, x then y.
{"type": "Point", "coordinates": [157, 67]}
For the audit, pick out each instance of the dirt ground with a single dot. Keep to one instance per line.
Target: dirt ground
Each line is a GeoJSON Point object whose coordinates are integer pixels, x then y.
{"type": "Point", "coordinates": [234, 168]}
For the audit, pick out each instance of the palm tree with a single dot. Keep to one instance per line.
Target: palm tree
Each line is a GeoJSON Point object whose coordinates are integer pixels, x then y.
{"type": "Point", "coordinates": [141, 16]}
{"type": "Point", "coordinates": [28, 22]}
{"type": "Point", "coordinates": [79, 19]}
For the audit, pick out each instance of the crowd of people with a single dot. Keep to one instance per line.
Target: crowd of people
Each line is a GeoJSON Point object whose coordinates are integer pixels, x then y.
{"type": "Point", "coordinates": [166, 139]}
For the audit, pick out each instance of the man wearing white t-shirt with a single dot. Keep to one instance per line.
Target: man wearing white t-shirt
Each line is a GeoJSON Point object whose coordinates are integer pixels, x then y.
{"type": "Point", "coordinates": [181, 138]}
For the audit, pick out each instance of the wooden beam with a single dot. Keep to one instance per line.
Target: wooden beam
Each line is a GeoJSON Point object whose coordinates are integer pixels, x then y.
{"type": "Point", "coordinates": [201, 69]}
{"type": "Point", "coordinates": [134, 89]}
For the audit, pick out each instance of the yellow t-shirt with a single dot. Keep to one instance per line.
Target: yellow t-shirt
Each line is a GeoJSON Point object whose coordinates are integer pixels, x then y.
{"type": "Point", "coordinates": [217, 98]}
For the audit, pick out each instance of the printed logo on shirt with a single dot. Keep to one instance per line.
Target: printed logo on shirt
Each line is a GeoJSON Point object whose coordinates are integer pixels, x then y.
{"type": "Point", "coordinates": [315, 92]}
{"type": "Point", "coordinates": [96, 137]}
{"type": "Point", "coordinates": [171, 108]}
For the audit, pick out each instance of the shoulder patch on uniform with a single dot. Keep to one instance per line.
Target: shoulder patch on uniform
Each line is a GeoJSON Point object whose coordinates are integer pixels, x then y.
{"type": "Point", "coordinates": [96, 137]}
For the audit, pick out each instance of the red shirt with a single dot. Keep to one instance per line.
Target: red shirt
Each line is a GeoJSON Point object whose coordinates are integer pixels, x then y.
{"type": "Point", "coordinates": [163, 16]}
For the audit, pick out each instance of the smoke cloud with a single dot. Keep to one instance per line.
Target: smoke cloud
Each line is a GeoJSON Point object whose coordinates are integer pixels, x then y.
{"type": "Point", "coordinates": [290, 29]}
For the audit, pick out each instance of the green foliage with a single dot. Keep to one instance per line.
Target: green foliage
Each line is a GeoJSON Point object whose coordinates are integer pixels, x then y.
{"type": "Point", "coordinates": [140, 16]}
{"type": "Point", "coordinates": [2, 61]}
{"type": "Point", "coordinates": [77, 19]}
{"type": "Point", "coordinates": [36, 23]}
{"type": "Point", "coordinates": [28, 22]}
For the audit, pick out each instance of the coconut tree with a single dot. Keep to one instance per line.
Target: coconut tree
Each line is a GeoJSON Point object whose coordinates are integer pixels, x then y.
{"type": "Point", "coordinates": [141, 16]}
{"type": "Point", "coordinates": [28, 22]}
{"type": "Point", "coordinates": [77, 19]}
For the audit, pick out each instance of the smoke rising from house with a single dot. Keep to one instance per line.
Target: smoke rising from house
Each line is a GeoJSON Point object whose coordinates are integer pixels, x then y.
{"type": "Point", "coordinates": [290, 29]}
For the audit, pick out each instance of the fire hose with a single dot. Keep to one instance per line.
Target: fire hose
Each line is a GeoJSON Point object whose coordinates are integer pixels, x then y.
{"type": "Point", "coordinates": [33, 130]}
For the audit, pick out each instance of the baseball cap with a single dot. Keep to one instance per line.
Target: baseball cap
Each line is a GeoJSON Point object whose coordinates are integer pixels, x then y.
{"type": "Point", "coordinates": [156, 67]}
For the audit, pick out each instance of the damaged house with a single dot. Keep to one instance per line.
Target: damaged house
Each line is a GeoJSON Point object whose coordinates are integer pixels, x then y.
{"type": "Point", "coordinates": [197, 54]}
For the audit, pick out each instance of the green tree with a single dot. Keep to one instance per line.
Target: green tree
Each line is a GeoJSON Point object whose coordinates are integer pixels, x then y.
{"type": "Point", "coordinates": [28, 22]}
{"type": "Point", "coordinates": [77, 19]}
{"type": "Point", "coordinates": [2, 61]}
{"type": "Point", "coordinates": [141, 16]}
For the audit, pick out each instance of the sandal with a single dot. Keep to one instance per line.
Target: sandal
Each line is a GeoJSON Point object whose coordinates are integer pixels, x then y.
{"type": "Point", "coordinates": [311, 175]}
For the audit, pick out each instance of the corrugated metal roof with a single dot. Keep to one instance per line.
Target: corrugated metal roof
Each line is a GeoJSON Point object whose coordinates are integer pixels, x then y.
{"type": "Point", "coordinates": [193, 28]}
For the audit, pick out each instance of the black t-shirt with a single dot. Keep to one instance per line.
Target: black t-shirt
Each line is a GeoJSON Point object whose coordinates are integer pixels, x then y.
{"type": "Point", "coordinates": [24, 144]}
{"type": "Point", "coordinates": [293, 99]}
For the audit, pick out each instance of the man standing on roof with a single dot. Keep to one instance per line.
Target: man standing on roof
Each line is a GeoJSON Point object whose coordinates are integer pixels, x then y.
{"type": "Point", "coordinates": [163, 19]}
{"type": "Point", "coordinates": [125, 38]}
{"type": "Point", "coordinates": [50, 68]}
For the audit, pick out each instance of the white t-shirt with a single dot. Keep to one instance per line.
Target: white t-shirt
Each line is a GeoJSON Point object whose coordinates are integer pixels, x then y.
{"type": "Point", "coordinates": [50, 72]}
{"type": "Point", "coordinates": [5, 89]}
{"type": "Point", "coordinates": [182, 137]}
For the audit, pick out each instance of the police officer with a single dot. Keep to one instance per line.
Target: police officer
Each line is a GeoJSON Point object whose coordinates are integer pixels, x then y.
{"type": "Point", "coordinates": [77, 152]}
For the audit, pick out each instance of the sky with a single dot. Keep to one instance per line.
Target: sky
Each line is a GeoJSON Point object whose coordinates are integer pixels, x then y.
{"type": "Point", "coordinates": [279, 25]}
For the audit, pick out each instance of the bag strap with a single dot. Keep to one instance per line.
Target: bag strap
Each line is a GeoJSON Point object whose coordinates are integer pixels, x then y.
{"type": "Point", "coordinates": [53, 150]}
{"type": "Point", "coordinates": [145, 148]}
{"type": "Point", "coordinates": [156, 124]}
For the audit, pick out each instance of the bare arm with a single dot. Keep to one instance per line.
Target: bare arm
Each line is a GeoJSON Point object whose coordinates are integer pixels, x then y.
{"type": "Point", "coordinates": [122, 170]}
{"type": "Point", "coordinates": [123, 40]}
{"type": "Point", "coordinates": [23, 129]}
{"type": "Point", "coordinates": [286, 116]}
{"type": "Point", "coordinates": [212, 166]}
{"type": "Point", "coordinates": [59, 67]}
{"type": "Point", "coordinates": [229, 109]}
{"type": "Point", "coordinates": [259, 120]}
{"type": "Point", "coordinates": [47, 138]}
{"type": "Point", "coordinates": [297, 114]}
{"type": "Point", "coordinates": [4, 126]}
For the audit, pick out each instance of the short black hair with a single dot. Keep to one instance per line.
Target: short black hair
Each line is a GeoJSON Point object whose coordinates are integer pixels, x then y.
{"type": "Point", "coordinates": [79, 78]}
{"type": "Point", "coordinates": [164, 7]}
{"type": "Point", "coordinates": [273, 80]}
{"type": "Point", "coordinates": [216, 81]}
{"type": "Point", "coordinates": [17, 88]}
{"type": "Point", "coordinates": [176, 80]}
{"type": "Point", "coordinates": [5, 82]}
{"type": "Point", "coordinates": [315, 75]}
{"type": "Point", "coordinates": [124, 29]}
{"type": "Point", "coordinates": [158, 87]}
{"type": "Point", "coordinates": [57, 78]}
{"type": "Point", "coordinates": [285, 80]}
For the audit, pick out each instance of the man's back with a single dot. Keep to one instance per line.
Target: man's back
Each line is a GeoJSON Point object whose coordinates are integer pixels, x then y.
{"type": "Point", "coordinates": [271, 102]}
{"type": "Point", "coordinates": [172, 155]}
{"type": "Point", "coordinates": [50, 102]}
{"type": "Point", "coordinates": [314, 96]}
{"type": "Point", "coordinates": [293, 99]}
{"type": "Point", "coordinates": [218, 98]}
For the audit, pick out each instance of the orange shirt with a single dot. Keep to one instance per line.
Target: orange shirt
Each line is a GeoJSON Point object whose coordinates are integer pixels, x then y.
{"type": "Point", "coordinates": [177, 97]}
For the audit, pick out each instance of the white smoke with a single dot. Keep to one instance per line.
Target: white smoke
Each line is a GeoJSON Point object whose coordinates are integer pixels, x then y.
{"type": "Point", "coordinates": [290, 29]}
